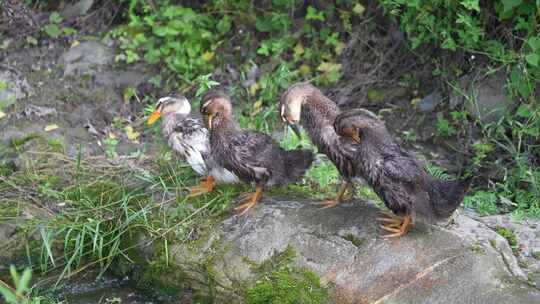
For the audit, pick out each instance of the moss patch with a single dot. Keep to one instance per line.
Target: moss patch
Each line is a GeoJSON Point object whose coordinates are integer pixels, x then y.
{"type": "Point", "coordinates": [280, 283]}
{"type": "Point", "coordinates": [509, 235]}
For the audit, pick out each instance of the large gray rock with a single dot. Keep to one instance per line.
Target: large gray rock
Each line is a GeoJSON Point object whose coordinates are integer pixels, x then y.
{"type": "Point", "coordinates": [86, 58]}
{"type": "Point", "coordinates": [343, 246]}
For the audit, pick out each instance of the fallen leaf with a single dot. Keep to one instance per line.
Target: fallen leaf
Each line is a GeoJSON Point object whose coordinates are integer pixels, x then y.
{"type": "Point", "coordinates": [304, 69]}
{"type": "Point", "coordinates": [257, 108]}
{"type": "Point", "coordinates": [254, 88]}
{"type": "Point", "coordinates": [329, 67]}
{"type": "Point", "coordinates": [75, 43]}
{"type": "Point", "coordinates": [51, 127]}
{"type": "Point", "coordinates": [132, 134]}
{"type": "Point", "coordinates": [415, 101]}
{"type": "Point", "coordinates": [339, 48]}
{"type": "Point", "coordinates": [359, 9]}
{"type": "Point", "coordinates": [298, 50]}
{"type": "Point", "coordinates": [207, 56]}
{"type": "Point", "coordinates": [2, 114]}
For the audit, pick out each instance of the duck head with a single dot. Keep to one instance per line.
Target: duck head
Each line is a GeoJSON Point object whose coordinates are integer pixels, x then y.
{"type": "Point", "coordinates": [291, 102]}
{"type": "Point", "coordinates": [171, 104]}
{"type": "Point", "coordinates": [353, 124]}
{"type": "Point", "coordinates": [215, 106]}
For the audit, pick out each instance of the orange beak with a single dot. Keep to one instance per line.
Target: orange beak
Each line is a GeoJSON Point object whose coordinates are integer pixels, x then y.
{"type": "Point", "coordinates": [154, 117]}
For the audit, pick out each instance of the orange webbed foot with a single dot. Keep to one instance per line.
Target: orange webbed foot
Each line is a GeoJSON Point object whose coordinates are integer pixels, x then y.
{"type": "Point", "coordinates": [342, 196]}
{"type": "Point", "coordinates": [250, 201]}
{"type": "Point", "coordinates": [204, 187]}
{"type": "Point", "coordinates": [399, 226]}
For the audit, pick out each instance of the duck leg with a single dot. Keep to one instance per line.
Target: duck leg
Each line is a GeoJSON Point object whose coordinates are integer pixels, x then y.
{"type": "Point", "coordinates": [331, 202]}
{"type": "Point", "coordinates": [399, 226]}
{"type": "Point", "coordinates": [204, 187]}
{"type": "Point", "coordinates": [250, 201]}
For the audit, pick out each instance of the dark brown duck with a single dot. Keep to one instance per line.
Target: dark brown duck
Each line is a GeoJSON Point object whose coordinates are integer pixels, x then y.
{"type": "Point", "coordinates": [396, 175]}
{"type": "Point", "coordinates": [252, 156]}
{"type": "Point", "coordinates": [306, 105]}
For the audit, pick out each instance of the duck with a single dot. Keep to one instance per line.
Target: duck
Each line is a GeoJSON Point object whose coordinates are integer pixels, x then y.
{"type": "Point", "coordinates": [187, 135]}
{"type": "Point", "coordinates": [252, 156]}
{"type": "Point", "coordinates": [398, 178]}
{"type": "Point", "coordinates": [304, 104]}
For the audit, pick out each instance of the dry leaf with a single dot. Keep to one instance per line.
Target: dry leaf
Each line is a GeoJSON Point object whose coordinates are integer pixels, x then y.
{"type": "Point", "coordinates": [207, 56]}
{"type": "Point", "coordinates": [329, 67]}
{"type": "Point", "coordinates": [304, 69]}
{"type": "Point", "coordinates": [339, 48]}
{"type": "Point", "coordinates": [254, 88]}
{"type": "Point", "coordinates": [257, 108]}
{"type": "Point", "coordinates": [51, 127]}
{"type": "Point", "coordinates": [132, 134]}
{"type": "Point", "coordinates": [2, 114]}
{"type": "Point", "coordinates": [359, 9]}
{"type": "Point", "coordinates": [298, 50]}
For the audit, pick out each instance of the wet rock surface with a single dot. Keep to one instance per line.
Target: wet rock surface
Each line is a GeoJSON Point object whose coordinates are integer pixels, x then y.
{"type": "Point", "coordinates": [343, 246]}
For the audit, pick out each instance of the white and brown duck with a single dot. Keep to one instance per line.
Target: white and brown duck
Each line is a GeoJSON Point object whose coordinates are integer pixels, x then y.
{"type": "Point", "coordinates": [187, 135]}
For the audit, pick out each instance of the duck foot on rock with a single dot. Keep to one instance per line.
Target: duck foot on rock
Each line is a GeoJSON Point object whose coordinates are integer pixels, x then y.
{"type": "Point", "coordinates": [399, 226]}
{"type": "Point", "coordinates": [250, 201]}
{"type": "Point", "coordinates": [342, 196]}
{"type": "Point", "coordinates": [204, 187]}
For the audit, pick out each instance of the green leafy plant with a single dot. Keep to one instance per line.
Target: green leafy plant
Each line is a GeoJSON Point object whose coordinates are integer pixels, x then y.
{"type": "Point", "coordinates": [19, 294]}
{"type": "Point", "coordinates": [52, 29]}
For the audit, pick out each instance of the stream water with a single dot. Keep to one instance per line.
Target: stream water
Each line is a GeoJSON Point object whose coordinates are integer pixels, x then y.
{"type": "Point", "coordinates": [104, 290]}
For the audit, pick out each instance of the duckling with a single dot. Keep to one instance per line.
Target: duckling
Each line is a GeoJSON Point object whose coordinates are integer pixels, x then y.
{"type": "Point", "coordinates": [304, 104]}
{"type": "Point", "coordinates": [188, 137]}
{"type": "Point", "coordinates": [251, 155]}
{"type": "Point", "coordinates": [397, 177]}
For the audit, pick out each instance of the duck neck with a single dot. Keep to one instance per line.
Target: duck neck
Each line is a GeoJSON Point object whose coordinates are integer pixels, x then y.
{"type": "Point", "coordinates": [318, 114]}
{"type": "Point", "coordinates": [171, 121]}
{"type": "Point", "coordinates": [318, 111]}
{"type": "Point", "coordinates": [223, 127]}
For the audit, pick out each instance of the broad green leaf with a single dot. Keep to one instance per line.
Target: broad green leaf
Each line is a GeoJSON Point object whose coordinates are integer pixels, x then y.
{"type": "Point", "coordinates": [471, 5]}
{"type": "Point", "coordinates": [55, 17]}
{"type": "Point", "coordinates": [510, 4]}
{"type": "Point", "coordinates": [52, 30]}
{"type": "Point", "coordinates": [534, 42]}
{"type": "Point", "coordinates": [532, 59]}
{"type": "Point", "coordinates": [524, 111]}
{"type": "Point", "coordinates": [449, 44]}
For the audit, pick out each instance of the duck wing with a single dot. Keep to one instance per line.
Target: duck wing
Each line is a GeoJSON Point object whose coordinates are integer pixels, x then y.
{"type": "Point", "coordinates": [250, 155]}
{"type": "Point", "coordinates": [189, 137]}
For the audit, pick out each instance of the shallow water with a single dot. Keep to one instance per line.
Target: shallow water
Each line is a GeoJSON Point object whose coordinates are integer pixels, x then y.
{"type": "Point", "coordinates": [104, 290]}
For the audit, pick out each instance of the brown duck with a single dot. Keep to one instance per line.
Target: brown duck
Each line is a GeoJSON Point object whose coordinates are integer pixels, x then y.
{"type": "Point", "coordinates": [397, 176]}
{"type": "Point", "coordinates": [252, 156]}
{"type": "Point", "coordinates": [306, 105]}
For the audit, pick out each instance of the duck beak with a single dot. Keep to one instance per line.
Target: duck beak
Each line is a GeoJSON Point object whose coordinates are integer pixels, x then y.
{"type": "Point", "coordinates": [154, 117]}
{"type": "Point", "coordinates": [208, 119]}
{"type": "Point", "coordinates": [355, 136]}
{"type": "Point", "coordinates": [296, 131]}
